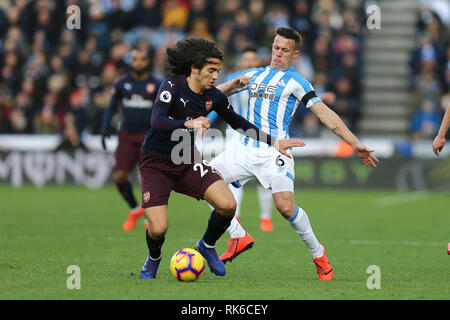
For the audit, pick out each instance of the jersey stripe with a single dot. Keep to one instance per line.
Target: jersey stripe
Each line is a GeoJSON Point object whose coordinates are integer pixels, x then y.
{"type": "Point", "coordinates": [253, 116]}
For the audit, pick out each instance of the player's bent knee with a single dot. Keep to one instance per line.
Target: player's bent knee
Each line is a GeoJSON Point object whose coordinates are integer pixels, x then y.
{"type": "Point", "coordinates": [227, 208]}
{"type": "Point", "coordinates": [120, 176]}
{"type": "Point", "coordinates": [157, 231]}
{"type": "Point", "coordinates": [284, 209]}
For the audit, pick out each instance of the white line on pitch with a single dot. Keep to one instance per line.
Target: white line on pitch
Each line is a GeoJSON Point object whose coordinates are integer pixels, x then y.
{"type": "Point", "coordinates": [402, 198]}
{"type": "Point", "coordinates": [399, 243]}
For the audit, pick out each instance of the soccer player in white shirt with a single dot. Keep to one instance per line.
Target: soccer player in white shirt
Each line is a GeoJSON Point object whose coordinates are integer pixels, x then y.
{"type": "Point", "coordinates": [249, 59]}
{"type": "Point", "coordinates": [274, 94]}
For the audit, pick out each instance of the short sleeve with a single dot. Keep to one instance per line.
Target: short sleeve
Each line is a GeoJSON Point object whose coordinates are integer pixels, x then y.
{"type": "Point", "coordinates": [304, 91]}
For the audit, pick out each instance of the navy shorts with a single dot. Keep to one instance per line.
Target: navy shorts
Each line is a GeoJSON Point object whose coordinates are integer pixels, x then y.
{"type": "Point", "coordinates": [159, 176]}
{"type": "Point", "coordinates": [127, 153]}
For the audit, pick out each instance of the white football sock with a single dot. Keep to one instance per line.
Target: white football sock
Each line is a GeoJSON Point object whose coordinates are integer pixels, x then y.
{"type": "Point", "coordinates": [235, 229]}
{"type": "Point", "coordinates": [300, 223]}
{"type": "Point", "coordinates": [238, 194]}
{"type": "Point", "coordinates": [135, 210]}
{"type": "Point", "coordinates": [265, 202]}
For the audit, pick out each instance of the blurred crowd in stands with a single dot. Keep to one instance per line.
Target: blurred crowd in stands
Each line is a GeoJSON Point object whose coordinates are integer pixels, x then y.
{"type": "Point", "coordinates": [430, 68]}
{"type": "Point", "coordinates": [56, 80]}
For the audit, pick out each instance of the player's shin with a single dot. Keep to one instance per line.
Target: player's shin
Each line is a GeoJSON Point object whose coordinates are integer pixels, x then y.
{"type": "Point", "coordinates": [235, 229]}
{"type": "Point", "coordinates": [217, 225]}
{"type": "Point", "coordinates": [154, 245]}
{"type": "Point", "coordinates": [126, 191]}
{"type": "Point", "coordinates": [300, 222]}
{"type": "Point", "coordinates": [238, 194]}
{"type": "Point", "coordinates": [265, 202]}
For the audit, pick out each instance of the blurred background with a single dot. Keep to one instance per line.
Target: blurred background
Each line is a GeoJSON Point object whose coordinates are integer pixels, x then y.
{"type": "Point", "coordinates": [391, 84]}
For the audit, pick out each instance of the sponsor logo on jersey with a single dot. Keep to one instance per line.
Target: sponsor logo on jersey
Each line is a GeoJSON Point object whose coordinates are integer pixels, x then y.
{"type": "Point", "coordinates": [262, 91]}
{"type": "Point", "coordinates": [136, 101]}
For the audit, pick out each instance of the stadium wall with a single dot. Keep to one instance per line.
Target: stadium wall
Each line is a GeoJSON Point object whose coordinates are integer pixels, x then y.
{"type": "Point", "coordinates": [321, 165]}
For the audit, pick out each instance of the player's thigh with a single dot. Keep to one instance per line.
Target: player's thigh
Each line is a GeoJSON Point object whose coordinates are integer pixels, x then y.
{"type": "Point", "coordinates": [127, 153]}
{"type": "Point", "coordinates": [158, 220]}
{"type": "Point", "coordinates": [274, 172]}
{"type": "Point", "coordinates": [156, 184]}
{"type": "Point", "coordinates": [231, 164]}
{"type": "Point", "coordinates": [196, 179]}
{"type": "Point", "coordinates": [220, 197]}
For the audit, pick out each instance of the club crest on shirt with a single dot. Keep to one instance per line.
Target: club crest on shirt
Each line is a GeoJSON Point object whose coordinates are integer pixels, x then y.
{"type": "Point", "coordinates": [146, 196]}
{"type": "Point", "coordinates": [208, 105]}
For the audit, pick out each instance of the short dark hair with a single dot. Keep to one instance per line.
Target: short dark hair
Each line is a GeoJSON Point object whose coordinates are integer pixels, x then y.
{"type": "Point", "coordinates": [290, 33]}
{"type": "Point", "coordinates": [250, 49]}
{"type": "Point", "coordinates": [190, 52]}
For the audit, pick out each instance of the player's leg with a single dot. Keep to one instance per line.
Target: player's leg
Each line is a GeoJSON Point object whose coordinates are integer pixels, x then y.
{"type": "Point", "coordinates": [283, 196]}
{"type": "Point", "coordinates": [156, 186]}
{"type": "Point", "coordinates": [158, 220]}
{"type": "Point", "coordinates": [231, 167]}
{"type": "Point", "coordinates": [238, 194]}
{"type": "Point", "coordinates": [265, 205]}
{"type": "Point", "coordinates": [219, 196]}
{"type": "Point", "coordinates": [126, 191]}
{"type": "Point", "coordinates": [125, 159]}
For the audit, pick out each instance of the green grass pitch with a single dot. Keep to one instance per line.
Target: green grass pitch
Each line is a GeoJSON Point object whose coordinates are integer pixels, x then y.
{"type": "Point", "coordinates": [43, 231]}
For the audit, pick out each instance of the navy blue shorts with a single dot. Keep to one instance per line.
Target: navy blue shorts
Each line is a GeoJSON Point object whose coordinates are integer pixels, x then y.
{"type": "Point", "coordinates": [159, 176]}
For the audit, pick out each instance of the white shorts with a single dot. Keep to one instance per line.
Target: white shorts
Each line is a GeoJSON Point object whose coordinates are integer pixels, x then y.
{"type": "Point", "coordinates": [239, 163]}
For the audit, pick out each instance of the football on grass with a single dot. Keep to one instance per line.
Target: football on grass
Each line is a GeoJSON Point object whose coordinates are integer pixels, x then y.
{"type": "Point", "coordinates": [187, 265]}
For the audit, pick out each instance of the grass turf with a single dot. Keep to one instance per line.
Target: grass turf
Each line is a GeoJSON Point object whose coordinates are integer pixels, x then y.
{"type": "Point", "coordinates": [43, 231]}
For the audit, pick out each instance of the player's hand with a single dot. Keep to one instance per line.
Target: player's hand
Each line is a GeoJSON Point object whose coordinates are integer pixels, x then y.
{"type": "Point", "coordinates": [284, 144]}
{"type": "Point", "coordinates": [200, 122]}
{"type": "Point", "coordinates": [438, 144]}
{"type": "Point", "coordinates": [105, 134]}
{"type": "Point", "coordinates": [240, 82]}
{"type": "Point", "coordinates": [365, 154]}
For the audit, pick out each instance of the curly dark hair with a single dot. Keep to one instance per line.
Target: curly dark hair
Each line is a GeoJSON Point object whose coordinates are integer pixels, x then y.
{"type": "Point", "coordinates": [190, 52]}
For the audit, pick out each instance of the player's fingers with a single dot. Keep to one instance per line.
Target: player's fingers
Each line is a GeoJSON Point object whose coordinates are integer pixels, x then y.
{"type": "Point", "coordinates": [283, 152]}
{"type": "Point", "coordinates": [296, 143]}
{"type": "Point", "coordinates": [374, 158]}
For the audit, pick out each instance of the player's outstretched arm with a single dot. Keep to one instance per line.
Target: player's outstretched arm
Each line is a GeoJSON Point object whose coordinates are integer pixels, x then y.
{"type": "Point", "coordinates": [248, 129]}
{"type": "Point", "coordinates": [439, 141]}
{"type": "Point", "coordinates": [284, 144]}
{"type": "Point", "coordinates": [333, 122]}
{"type": "Point", "coordinates": [232, 86]}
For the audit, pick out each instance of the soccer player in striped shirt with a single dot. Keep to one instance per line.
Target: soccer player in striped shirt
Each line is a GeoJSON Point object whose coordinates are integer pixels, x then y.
{"type": "Point", "coordinates": [248, 60]}
{"type": "Point", "coordinates": [275, 91]}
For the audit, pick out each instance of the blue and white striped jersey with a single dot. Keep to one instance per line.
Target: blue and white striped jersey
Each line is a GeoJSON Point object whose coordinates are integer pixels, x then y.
{"type": "Point", "coordinates": [238, 101]}
{"type": "Point", "coordinates": [274, 96]}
